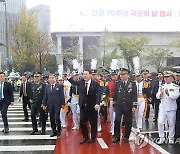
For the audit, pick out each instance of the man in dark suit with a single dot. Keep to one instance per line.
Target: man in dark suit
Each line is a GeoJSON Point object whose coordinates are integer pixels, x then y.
{"type": "Point", "coordinates": [125, 102]}
{"type": "Point", "coordinates": [53, 101]}
{"type": "Point", "coordinates": [25, 93]}
{"type": "Point", "coordinates": [89, 99]}
{"type": "Point", "coordinates": [6, 99]}
{"type": "Point", "coordinates": [156, 101]}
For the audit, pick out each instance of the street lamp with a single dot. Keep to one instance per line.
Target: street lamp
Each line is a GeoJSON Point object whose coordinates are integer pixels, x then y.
{"type": "Point", "coordinates": [7, 43]}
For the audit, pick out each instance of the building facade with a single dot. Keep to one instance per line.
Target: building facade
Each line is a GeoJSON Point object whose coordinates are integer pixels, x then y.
{"type": "Point", "coordinates": [157, 40]}
{"type": "Point", "coordinates": [13, 8]}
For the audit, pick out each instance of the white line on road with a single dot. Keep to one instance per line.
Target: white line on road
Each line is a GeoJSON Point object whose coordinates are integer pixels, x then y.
{"type": "Point", "coordinates": [102, 143]}
{"type": "Point", "coordinates": [26, 137]}
{"type": "Point", "coordinates": [20, 123]}
{"type": "Point", "coordinates": [19, 129]}
{"type": "Point", "coordinates": [28, 148]}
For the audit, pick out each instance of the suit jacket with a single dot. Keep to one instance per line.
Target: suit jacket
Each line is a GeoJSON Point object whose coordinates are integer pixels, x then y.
{"type": "Point", "coordinates": [53, 98]}
{"type": "Point", "coordinates": [8, 93]}
{"type": "Point", "coordinates": [93, 96]}
{"type": "Point", "coordinates": [125, 96]}
{"type": "Point", "coordinates": [155, 90]}
{"type": "Point", "coordinates": [28, 90]}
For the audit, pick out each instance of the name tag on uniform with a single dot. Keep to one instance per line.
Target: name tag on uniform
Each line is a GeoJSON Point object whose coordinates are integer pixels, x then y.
{"type": "Point", "coordinates": [57, 88]}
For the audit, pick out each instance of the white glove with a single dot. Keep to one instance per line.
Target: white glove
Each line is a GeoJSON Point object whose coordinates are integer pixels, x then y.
{"type": "Point", "coordinates": [102, 103]}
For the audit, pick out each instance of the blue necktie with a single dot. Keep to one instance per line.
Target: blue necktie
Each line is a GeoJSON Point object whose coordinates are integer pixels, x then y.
{"type": "Point", "coordinates": [0, 91]}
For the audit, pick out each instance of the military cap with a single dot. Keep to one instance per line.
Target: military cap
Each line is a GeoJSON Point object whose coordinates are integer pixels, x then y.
{"type": "Point", "coordinates": [145, 71]}
{"type": "Point", "coordinates": [104, 71]}
{"type": "Point", "coordinates": [124, 71]}
{"type": "Point", "coordinates": [137, 74]}
{"type": "Point", "coordinates": [36, 74]}
{"type": "Point", "coordinates": [94, 71]}
{"type": "Point", "coordinates": [168, 73]}
{"type": "Point", "coordinates": [114, 72]}
{"type": "Point", "coordinates": [75, 72]}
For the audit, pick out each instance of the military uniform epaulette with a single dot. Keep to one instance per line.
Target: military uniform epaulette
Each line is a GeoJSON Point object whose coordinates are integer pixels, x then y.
{"type": "Point", "coordinates": [175, 85]}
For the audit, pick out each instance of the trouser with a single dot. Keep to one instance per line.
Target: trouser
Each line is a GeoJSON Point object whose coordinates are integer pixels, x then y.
{"type": "Point", "coordinates": [4, 108]}
{"type": "Point", "coordinates": [63, 117]}
{"type": "Point", "coordinates": [139, 112]}
{"type": "Point", "coordinates": [127, 122]}
{"type": "Point", "coordinates": [148, 111]}
{"type": "Point", "coordinates": [88, 113]}
{"type": "Point", "coordinates": [177, 131]}
{"type": "Point", "coordinates": [171, 118]}
{"type": "Point", "coordinates": [75, 110]}
{"type": "Point", "coordinates": [55, 120]}
{"type": "Point", "coordinates": [25, 103]}
{"type": "Point", "coordinates": [98, 118]}
{"type": "Point", "coordinates": [103, 111]}
{"type": "Point", "coordinates": [156, 106]}
{"type": "Point", "coordinates": [35, 108]}
{"type": "Point", "coordinates": [112, 115]}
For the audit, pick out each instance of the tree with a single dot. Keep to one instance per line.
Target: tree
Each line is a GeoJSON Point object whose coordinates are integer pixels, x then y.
{"type": "Point", "coordinates": [104, 52]}
{"type": "Point", "coordinates": [51, 64]}
{"type": "Point", "coordinates": [157, 57]}
{"type": "Point", "coordinates": [131, 47]}
{"type": "Point", "coordinates": [30, 47]}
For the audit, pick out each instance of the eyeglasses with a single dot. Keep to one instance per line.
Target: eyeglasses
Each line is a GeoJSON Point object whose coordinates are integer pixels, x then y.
{"type": "Point", "coordinates": [36, 76]}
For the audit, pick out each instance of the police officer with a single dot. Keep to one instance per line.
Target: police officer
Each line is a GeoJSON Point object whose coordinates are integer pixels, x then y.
{"type": "Point", "coordinates": [125, 101]}
{"type": "Point", "coordinates": [36, 106]}
{"type": "Point", "coordinates": [167, 93]}
{"type": "Point", "coordinates": [147, 90]}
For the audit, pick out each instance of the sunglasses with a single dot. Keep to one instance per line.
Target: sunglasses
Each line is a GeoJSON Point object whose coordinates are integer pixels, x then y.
{"type": "Point", "coordinates": [36, 76]}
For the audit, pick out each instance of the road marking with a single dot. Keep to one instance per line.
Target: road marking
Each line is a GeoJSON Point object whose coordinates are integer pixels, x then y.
{"type": "Point", "coordinates": [157, 147]}
{"type": "Point", "coordinates": [26, 137]}
{"type": "Point", "coordinates": [28, 148]}
{"type": "Point", "coordinates": [20, 123]}
{"type": "Point", "coordinates": [17, 111]}
{"type": "Point", "coordinates": [25, 129]}
{"type": "Point", "coordinates": [102, 143]}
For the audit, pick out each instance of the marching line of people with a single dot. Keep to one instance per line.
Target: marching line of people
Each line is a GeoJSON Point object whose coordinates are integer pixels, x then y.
{"type": "Point", "coordinates": [93, 97]}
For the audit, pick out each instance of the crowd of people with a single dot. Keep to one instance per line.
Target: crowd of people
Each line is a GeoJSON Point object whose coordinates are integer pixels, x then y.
{"type": "Point", "coordinates": [94, 96]}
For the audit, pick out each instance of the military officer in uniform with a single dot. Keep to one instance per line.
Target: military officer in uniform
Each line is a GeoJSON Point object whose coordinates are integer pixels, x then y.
{"type": "Point", "coordinates": [147, 90]}
{"type": "Point", "coordinates": [177, 81]}
{"type": "Point", "coordinates": [167, 93]}
{"type": "Point", "coordinates": [104, 93]}
{"type": "Point", "coordinates": [36, 106]}
{"type": "Point", "coordinates": [125, 102]}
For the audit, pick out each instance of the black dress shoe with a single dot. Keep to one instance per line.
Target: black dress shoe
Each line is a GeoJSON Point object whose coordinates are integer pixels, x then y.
{"type": "Point", "coordinates": [33, 132]}
{"type": "Point", "coordinates": [91, 141]}
{"type": "Point", "coordinates": [83, 140]}
{"type": "Point", "coordinates": [125, 140]}
{"type": "Point", "coordinates": [115, 140]}
{"type": "Point", "coordinates": [43, 132]}
{"type": "Point", "coordinates": [5, 130]}
{"type": "Point", "coordinates": [26, 120]}
{"type": "Point", "coordinates": [53, 134]}
{"type": "Point", "coordinates": [155, 120]}
{"type": "Point", "coordinates": [58, 135]}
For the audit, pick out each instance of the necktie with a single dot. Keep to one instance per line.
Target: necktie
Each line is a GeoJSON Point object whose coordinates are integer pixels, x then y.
{"type": "Point", "coordinates": [86, 87]}
{"type": "Point", "coordinates": [1, 91]}
{"type": "Point", "coordinates": [24, 89]}
{"type": "Point", "coordinates": [52, 86]}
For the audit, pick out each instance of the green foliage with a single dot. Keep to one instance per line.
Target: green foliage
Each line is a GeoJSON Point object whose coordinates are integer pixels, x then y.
{"type": "Point", "coordinates": [51, 64]}
{"type": "Point", "coordinates": [131, 47]}
{"type": "Point", "coordinates": [156, 58]}
{"type": "Point", "coordinates": [30, 49]}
